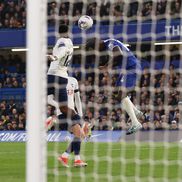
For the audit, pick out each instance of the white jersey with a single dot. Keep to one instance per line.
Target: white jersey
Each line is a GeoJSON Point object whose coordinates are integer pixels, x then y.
{"type": "Point", "coordinates": [62, 51]}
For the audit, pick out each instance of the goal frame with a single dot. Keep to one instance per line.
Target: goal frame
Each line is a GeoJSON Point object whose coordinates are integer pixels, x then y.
{"type": "Point", "coordinates": [36, 90]}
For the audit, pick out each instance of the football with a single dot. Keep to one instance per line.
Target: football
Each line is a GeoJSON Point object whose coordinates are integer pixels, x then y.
{"type": "Point", "coordinates": [85, 22]}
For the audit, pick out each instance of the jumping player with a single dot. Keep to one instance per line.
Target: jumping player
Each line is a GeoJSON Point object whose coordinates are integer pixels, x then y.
{"type": "Point", "coordinates": [128, 65]}
{"type": "Point", "coordinates": [57, 82]}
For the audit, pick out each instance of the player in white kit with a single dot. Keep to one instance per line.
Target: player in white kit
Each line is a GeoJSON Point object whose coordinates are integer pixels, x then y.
{"type": "Point", "coordinates": [57, 82]}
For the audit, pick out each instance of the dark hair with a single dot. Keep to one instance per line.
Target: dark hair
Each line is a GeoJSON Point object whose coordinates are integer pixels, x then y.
{"type": "Point", "coordinates": [103, 60]}
{"type": "Point", "coordinates": [63, 28]}
{"type": "Point", "coordinates": [91, 44]}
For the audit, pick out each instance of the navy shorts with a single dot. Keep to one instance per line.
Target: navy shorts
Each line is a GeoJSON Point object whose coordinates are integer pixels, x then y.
{"type": "Point", "coordinates": [128, 80]}
{"type": "Point", "coordinates": [66, 124]}
{"type": "Point", "coordinates": [57, 87]}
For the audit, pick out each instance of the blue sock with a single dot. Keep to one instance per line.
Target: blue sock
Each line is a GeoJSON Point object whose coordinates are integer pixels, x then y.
{"type": "Point", "coordinates": [70, 148]}
{"type": "Point", "coordinates": [74, 146]}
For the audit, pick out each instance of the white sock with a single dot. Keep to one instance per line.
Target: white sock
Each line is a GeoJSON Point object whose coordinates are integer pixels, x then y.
{"type": "Point", "coordinates": [65, 154]}
{"type": "Point", "coordinates": [127, 105]}
{"type": "Point", "coordinates": [77, 157]}
{"type": "Point", "coordinates": [52, 102]}
{"type": "Point", "coordinates": [58, 112]}
{"type": "Point", "coordinates": [137, 112]}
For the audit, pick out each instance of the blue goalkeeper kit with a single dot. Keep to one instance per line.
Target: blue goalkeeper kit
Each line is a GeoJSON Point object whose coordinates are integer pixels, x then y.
{"type": "Point", "coordinates": [128, 67]}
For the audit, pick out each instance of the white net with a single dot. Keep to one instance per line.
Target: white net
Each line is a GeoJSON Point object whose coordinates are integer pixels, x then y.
{"type": "Point", "coordinates": [151, 30]}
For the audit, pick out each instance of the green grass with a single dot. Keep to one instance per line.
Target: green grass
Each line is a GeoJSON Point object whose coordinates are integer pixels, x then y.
{"type": "Point", "coordinates": [125, 162]}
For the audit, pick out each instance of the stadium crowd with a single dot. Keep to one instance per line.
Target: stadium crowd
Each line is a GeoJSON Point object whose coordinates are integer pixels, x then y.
{"type": "Point", "coordinates": [158, 96]}
{"type": "Point", "coordinates": [13, 12]}
{"type": "Point", "coordinates": [12, 76]}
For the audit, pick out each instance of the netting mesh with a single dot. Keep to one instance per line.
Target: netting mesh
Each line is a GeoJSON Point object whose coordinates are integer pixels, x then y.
{"type": "Point", "coordinates": [153, 153]}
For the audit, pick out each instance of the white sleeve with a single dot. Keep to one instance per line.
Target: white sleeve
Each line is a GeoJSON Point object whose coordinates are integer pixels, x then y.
{"type": "Point", "coordinates": [78, 103]}
{"type": "Point", "coordinates": [63, 51]}
{"type": "Point", "coordinates": [60, 52]}
{"type": "Point", "coordinates": [76, 84]}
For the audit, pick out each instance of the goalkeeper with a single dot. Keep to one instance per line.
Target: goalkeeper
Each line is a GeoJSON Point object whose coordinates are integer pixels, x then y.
{"type": "Point", "coordinates": [129, 65]}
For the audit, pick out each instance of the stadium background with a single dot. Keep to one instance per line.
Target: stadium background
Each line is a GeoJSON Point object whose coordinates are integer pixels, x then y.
{"type": "Point", "coordinates": [12, 64]}
{"type": "Point", "coordinates": [144, 23]}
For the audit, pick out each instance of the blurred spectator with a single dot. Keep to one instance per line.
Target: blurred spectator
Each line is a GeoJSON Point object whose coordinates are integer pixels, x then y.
{"type": "Point", "coordinates": [21, 126]}
{"type": "Point", "coordinates": [174, 125]}
{"type": "Point", "coordinates": [9, 126]}
{"type": "Point", "coordinates": [105, 11]}
{"type": "Point", "coordinates": [77, 11]}
{"type": "Point", "coordinates": [1, 125]}
{"type": "Point", "coordinates": [147, 9]}
{"type": "Point", "coordinates": [145, 78]}
{"type": "Point", "coordinates": [133, 9]}
{"type": "Point", "coordinates": [145, 127]}
{"type": "Point", "coordinates": [157, 125]}
{"type": "Point", "coordinates": [14, 125]}
{"type": "Point", "coordinates": [91, 9]}
{"type": "Point", "coordinates": [161, 7]}
{"type": "Point", "coordinates": [51, 13]}
{"type": "Point", "coordinates": [175, 7]}
{"type": "Point", "coordinates": [118, 9]}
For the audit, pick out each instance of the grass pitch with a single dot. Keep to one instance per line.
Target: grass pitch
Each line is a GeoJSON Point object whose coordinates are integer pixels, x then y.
{"type": "Point", "coordinates": [115, 162]}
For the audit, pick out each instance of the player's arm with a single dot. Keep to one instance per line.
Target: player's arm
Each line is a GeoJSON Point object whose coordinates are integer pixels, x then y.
{"type": "Point", "coordinates": [78, 103]}
{"type": "Point", "coordinates": [59, 54]}
{"type": "Point", "coordinates": [62, 50]}
{"type": "Point", "coordinates": [122, 51]}
{"type": "Point", "coordinates": [50, 57]}
{"type": "Point", "coordinates": [117, 52]}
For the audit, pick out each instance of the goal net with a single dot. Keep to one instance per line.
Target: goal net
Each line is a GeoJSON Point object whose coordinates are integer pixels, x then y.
{"type": "Point", "coordinates": [152, 31]}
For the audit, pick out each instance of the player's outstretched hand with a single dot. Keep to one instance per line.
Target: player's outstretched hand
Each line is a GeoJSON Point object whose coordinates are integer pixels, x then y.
{"type": "Point", "coordinates": [51, 57]}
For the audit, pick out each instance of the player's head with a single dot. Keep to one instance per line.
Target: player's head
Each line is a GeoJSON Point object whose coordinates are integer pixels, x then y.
{"type": "Point", "coordinates": [63, 30]}
{"type": "Point", "coordinates": [94, 43]}
{"type": "Point", "coordinates": [98, 44]}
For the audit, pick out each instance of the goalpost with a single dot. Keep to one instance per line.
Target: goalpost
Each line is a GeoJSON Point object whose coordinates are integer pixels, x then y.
{"type": "Point", "coordinates": [36, 90]}
{"type": "Point", "coordinates": [148, 155]}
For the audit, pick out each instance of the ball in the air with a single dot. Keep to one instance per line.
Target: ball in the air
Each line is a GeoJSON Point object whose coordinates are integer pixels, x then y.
{"type": "Point", "coordinates": [85, 22]}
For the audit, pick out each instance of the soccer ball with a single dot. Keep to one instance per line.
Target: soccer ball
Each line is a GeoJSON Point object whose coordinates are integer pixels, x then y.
{"type": "Point", "coordinates": [85, 22]}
